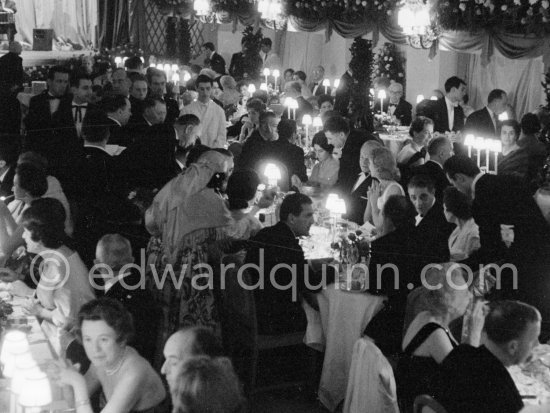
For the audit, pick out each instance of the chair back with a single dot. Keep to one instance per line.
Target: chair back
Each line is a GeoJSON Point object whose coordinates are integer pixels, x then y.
{"type": "Point", "coordinates": [371, 381]}
{"type": "Point", "coordinates": [427, 404]}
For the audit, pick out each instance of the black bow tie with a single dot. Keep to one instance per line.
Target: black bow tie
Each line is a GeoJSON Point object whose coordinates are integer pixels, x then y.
{"type": "Point", "coordinates": [392, 105]}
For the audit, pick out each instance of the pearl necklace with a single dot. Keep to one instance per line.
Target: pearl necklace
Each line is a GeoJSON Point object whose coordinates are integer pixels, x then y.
{"type": "Point", "coordinates": [110, 372]}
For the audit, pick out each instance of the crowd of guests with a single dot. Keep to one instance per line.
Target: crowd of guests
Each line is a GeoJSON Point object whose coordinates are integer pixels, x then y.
{"type": "Point", "coordinates": [110, 169]}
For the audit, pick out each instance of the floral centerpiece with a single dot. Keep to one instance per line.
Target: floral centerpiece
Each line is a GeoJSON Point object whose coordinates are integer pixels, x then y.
{"type": "Point", "coordinates": [388, 63]}
{"type": "Point", "coordinates": [5, 310]}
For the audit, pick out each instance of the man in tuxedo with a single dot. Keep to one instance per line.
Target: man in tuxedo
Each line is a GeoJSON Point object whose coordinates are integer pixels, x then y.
{"type": "Point", "coordinates": [157, 89]}
{"type": "Point", "coordinates": [446, 112]}
{"type": "Point", "coordinates": [236, 66]}
{"type": "Point", "coordinates": [294, 90]}
{"type": "Point", "coordinates": [349, 141]}
{"type": "Point", "coordinates": [133, 64]}
{"type": "Point", "coordinates": [118, 110]}
{"type": "Point", "coordinates": [440, 149]}
{"type": "Point", "coordinates": [476, 379]}
{"type": "Point", "coordinates": [270, 59]}
{"type": "Point", "coordinates": [138, 93]}
{"type": "Point", "coordinates": [288, 154]}
{"type": "Point", "coordinates": [279, 310]}
{"type": "Point", "coordinates": [432, 230]}
{"type": "Point", "coordinates": [39, 120]}
{"type": "Point", "coordinates": [259, 146]}
{"type": "Point", "coordinates": [214, 60]}
{"type": "Point", "coordinates": [121, 82]}
{"type": "Point", "coordinates": [316, 86]}
{"type": "Point", "coordinates": [484, 122]}
{"type": "Point", "coordinates": [343, 93]}
{"type": "Point", "coordinates": [11, 67]}
{"type": "Point", "coordinates": [326, 104]}
{"type": "Point", "coordinates": [396, 105]}
{"type": "Point", "coordinates": [122, 281]}
{"type": "Point", "coordinates": [512, 230]}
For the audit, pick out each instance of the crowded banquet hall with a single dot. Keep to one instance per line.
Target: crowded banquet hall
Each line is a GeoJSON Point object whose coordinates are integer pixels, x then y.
{"type": "Point", "coordinates": [275, 206]}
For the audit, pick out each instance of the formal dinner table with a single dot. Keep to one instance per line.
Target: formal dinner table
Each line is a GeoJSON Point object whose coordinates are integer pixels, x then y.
{"type": "Point", "coordinates": [342, 317]}
{"type": "Point", "coordinates": [532, 379]}
{"type": "Point", "coordinates": [42, 353]}
{"type": "Point", "coordinates": [395, 141]}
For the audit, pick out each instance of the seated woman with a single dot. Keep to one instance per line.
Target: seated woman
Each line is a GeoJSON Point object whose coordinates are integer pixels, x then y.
{"type": "Point", "coordinates": [207, 385]}
{"type": "Point", "coordinates": [242, 187]}
{"type": "Point", "coordinates": [254, 108]}
{"type": "Point", "coordinates": [230, 95]}
{"type": "Point", "coordinates": [464, 240]}
{"type": "Point", "coordinates": [513, 160]}
{"type": "Point", "coordinates": [127, 380]}
{"type": "Point", "coordinates": [428, 340]}
{"type": "Point", "coordinates": [63, 287]}
{"type": "Point", "coordinates": [414, 153]}
{"type": "Point", "coordinates": [382, 167]}
{"type": "Point", "coordinates": [325, 172]}
{"type": "Point", "coordinates": [29, 184]}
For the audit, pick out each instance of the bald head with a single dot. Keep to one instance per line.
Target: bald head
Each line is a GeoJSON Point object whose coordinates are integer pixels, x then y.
{"type": "Point", "coordinates": [185, 344]}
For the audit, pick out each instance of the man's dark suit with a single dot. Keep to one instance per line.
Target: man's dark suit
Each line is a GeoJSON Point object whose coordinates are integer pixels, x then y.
{"type": "Point", "coordinates": [217, 63]}
{"type": "Point", "coordinates": [432, 234]}
{"type": "Point", "coordinates": [479, 123]}
{"type": "Point", "coordinates": [144, 310]}
{"type": "Point", "coordinates": [403, 110]}
{"type": "Point", "coordinates": [434, 171]}
{"type": "Point", "coordinates": [41, 126]}
{"type": "Point", "coordinates": [276, 311]}
{"type": "Point", "coordinates": [356, 201]}
{"type": "Point", "coordinates": [236, 67]}
{"type": "Point", "coordinates": [321, 89]}
{"type": "Point", "coordinates": [11, 67]}
{"type": "Point", "coordinates": [473, 380]}
{"type": "Point", "coordinates": [172, 110]}
{"type": "Point", "coordinates": [150, 161]}
{"type": "Point", "coordinates": [292, 157]}
{"type": "Point", "coordinates": [343, 94]}
{"type": "Point", "coordinates": [137, 106]}
{"type": "Point", "coordinates": [119, 135]}
{"type": "Point", "coordinates": [506, 200]}
{"type": "Point", "coordinates": [255, 149]}
{"type": "Point", "coordinates": [349, 161]}
{"type": "Point", "coordinates": [436, 110]}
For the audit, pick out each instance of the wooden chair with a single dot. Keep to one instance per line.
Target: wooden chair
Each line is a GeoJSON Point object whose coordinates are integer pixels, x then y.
{"type": "Point", "coordinates": [239, 327]}
{"type": "Point", "coordinates": [427, 404]}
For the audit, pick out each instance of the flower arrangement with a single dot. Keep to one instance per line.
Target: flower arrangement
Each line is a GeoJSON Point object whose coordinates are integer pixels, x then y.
{"type": "Point", "coordinates": [361, 65]}
{"type": "Point", "coordinates": [232, 6]}
{"type": "Point", "coordinates": [513, 16]}
{"type": "Point", "coordinates": [348, 10]}
{"type": "Point", "coordinates": [5, 310]}
{"type": "Point", "coordinates": [388, 63]}
{"type": "Point", "coordinates": [35, 73]}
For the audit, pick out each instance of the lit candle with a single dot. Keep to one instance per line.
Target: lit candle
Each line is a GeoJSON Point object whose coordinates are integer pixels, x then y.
{"type": "Point", "coordinates": [118, 61]}
{"type": "Point", "coordinates": [317, 123]}
{"type": "Point", "coordinates": [307, 121]}
{"type": "Point", "coordinates": [382, 96]}
{"type": "Point", "coordinates": [176, 79]}
{"type": "Point", "coordinates": [419, 98]}
{"type": "Point", "coordinates": [287, 104]}
{"type": "Point", "coordinates": [267, 72]}
{"type": "Point", "coordinates": [503, 116]}
{"type": "Point", "coordinates": [480, 144]}
{"type": "Point", "coordinates": [433, 98]}
{"type": "Point", "coordinates": [273, 174]}
{"type": "Point", "coordinates": [186, 76]}
{"type": "Point", "coordinates": [469, 141]}
{"type": "Point", "coordinates": [336, 83]}
{"type": "Point", "coordinates": [251, 88]}
{"type": "Point", "coordinates": [326, 84]}
{"type": "Point", "coordinates": [294, 105]}
{"type": "Point", "coordinates": [276, 75]}
{"type": "Point", "coordinates": [175, 67]}
{"type": "Point", "coordinates": [263, 86]}
{"type": "Point", "coordinates": [167, 70]}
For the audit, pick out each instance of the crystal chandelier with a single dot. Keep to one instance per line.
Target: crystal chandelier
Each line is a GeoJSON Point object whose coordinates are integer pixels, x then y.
{"type": "Point", "coordinates": [270, 9]}
{"type": "Point", "coordinates": [203, 11]}
{"type": "Point", "coordinates": [414, 18]}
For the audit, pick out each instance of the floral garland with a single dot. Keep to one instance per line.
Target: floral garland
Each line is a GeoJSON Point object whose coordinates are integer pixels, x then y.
{"type": "Point", "coordinates": [513, 16]}
{"type": "Point", "coordinates": [388, 63]}
{"type": "Point", "coordinates": [233, 6]}
{"type": "Point", "coordinates": [361, 65]}
{"type": "Point", "coordinates": [347, 10]}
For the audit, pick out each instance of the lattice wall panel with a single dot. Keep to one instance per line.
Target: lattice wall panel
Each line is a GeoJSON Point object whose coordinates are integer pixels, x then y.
{"type": "Point", "coordinates": [156, 29]}
{"type": "Point", "coordinates": [197, 39]}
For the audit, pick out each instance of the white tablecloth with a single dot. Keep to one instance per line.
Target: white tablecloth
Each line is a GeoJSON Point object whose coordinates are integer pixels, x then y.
{"type": "Point", "coordinates": [340, 322]}
{"type": "Point", "coordinates": [394, 142]}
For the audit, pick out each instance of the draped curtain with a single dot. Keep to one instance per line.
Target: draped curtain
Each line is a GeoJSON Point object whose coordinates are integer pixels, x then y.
{"type": "Point", "coordinates": [519, 78]}
{"type": "Point", "coordinates": [113, 22]}
{"type": "Point", "coordinates": [71, 20]}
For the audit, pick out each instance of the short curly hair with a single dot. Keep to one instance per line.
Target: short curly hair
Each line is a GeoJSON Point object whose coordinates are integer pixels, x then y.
{"type": "Point", "coordinates": [45, 220]}
{"type": "Point", "coordinates": [112, 312]}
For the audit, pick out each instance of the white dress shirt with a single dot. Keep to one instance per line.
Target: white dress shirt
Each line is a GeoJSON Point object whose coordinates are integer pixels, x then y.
{"type": "Point", "coordinates": [212, 117]}
{"type": "Point", "coordinates": [450, 112]}
{"type": "Point", "coordinates": [78, 119]}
